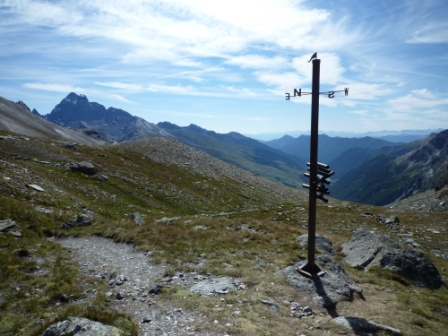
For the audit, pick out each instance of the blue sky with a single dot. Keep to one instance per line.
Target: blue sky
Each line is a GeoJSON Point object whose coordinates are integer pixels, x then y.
{"type": "Point", "coordinates": [226, 65]}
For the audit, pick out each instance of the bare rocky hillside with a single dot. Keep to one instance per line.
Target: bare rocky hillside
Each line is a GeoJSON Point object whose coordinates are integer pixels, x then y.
{"type": "Point", "coordinates": [17, 118]}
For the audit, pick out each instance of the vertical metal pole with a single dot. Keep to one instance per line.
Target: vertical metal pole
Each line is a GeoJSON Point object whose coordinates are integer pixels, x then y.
{"type": "Point", "coordinates": [311, 268]}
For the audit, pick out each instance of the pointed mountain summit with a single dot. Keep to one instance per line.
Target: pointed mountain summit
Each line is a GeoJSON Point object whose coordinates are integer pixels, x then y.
{"type": "Point", "coordinates": [76, 111]}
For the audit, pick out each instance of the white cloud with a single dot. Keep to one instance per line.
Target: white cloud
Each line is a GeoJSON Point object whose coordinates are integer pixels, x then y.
{"type": "Point", "coordinates": [431, 32]}
{"type": "Point", "coordinates": [121, 99]}
{"type": "Point", "coordinates": [286, 81]}
{"type": "Point", "coordinates": [124, 86]}
{"type": "Point", "coordinates": [367, 91]}
{"type": "Point", "coordinates": [331, 70]}
{"type": "Point", "coordinates": [54, 87]}
{"type": "Point", "coordinates": [183, 31]}
{"type": "Point", "coordinates": [417, 100]}
{"type": "Point", "coordinates": [359, 112]}
{"type": "Point", "coordinates": [258, 62]}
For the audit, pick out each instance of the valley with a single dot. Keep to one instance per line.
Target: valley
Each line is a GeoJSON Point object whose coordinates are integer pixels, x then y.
{"type": "Point", "coordinates": [188, 214]}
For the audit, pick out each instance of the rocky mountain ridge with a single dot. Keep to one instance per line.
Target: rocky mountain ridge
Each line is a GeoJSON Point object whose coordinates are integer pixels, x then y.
{"type": "Point", "coordinates": [241, 151]}
{"type": "Point", "coordinates": [76, 111]}
{"type": "Point", "coordinates": [18, 118]}
{"type": "Point", "coordinates": [387, 178]}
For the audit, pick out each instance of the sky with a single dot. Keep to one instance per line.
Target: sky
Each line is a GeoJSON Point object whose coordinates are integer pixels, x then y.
{"type": "Point", "coordinates": [226, 65]}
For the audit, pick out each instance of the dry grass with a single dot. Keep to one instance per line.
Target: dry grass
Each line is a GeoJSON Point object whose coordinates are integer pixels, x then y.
{"type": "Point", "coordinates": [252, 245]}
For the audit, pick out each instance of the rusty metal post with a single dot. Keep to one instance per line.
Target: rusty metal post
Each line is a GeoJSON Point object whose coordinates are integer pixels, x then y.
{"type": "Point", "coordinates": [311, 268]}
{"type": "Point", "coordinates": [317, 185]}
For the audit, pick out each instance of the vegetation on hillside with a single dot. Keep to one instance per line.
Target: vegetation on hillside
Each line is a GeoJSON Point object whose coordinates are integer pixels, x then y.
{"type": "Point", "coordinates": [36, 273]}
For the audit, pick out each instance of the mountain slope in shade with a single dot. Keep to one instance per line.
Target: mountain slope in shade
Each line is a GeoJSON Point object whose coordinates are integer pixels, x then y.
{"type": "Point", "coordinates": [242, 152]}
{"type": "Point", "coordinates": [18, 118]}
{"type": "Point", "coordinates": [329, 148]}
{"type": "Point", "coordinates": [77, 112]}
{"type": "Point", "coordinates": [388, 178]}
{"type": "Point", "coordinates": [355, 157]}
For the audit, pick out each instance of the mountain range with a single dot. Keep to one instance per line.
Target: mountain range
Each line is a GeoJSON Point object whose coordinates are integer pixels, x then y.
{"type": "Point", "coordinates": [390, 177]}
{"type": "Point", "coordinates": [368, 169]}
{"type": "Point", "coordinates": [75, 111]}
{"type": "Point", "coordinates": [392, 136]}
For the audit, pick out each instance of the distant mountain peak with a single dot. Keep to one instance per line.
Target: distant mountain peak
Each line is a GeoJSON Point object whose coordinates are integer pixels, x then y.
{"type": "Point", "coordinates": [76, 111]}
{"type": "Point", "coordinates": [74, 99]}
{"type": "Point", "coordinates": [196, 128]}
{"type": "Point", "coordinates": [167, 125]}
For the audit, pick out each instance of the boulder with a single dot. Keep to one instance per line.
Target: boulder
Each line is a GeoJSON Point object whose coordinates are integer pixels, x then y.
{"type": "Point", "coordinates": [136, 217]}
{"type": "Point", "coordinates": [35, 187]}
{"type": "Point", "coordinates": [84, 167]}
{"type": "Point", "coordinates": [367, 249]}
{"type": "Point", "coordinates": [412, 265]}
{"type": "Point", "coordinates": [363, 246]}
{"type": "Point", "coordinates": [79, 220]}
{"type": "Point", "coordinates": [322, 243]}
{"type": "Point", "coordinates": [214, 286]}
{"type": "Point", "coordinates": [272, 305]}
{"type": "Point", "coordinates": [328, 289]}
{"type": "Point", "coordinates": [6, 224]}
{"type": "Point", "coordinates": [78, 326]}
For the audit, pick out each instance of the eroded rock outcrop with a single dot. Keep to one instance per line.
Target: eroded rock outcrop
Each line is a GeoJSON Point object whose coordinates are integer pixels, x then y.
{"type": "Point", "coordinates": [78, 326]}
{"type": "Point", "coordinates": [367, 249]}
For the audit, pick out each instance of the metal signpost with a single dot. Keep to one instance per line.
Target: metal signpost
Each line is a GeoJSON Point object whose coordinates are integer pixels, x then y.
{"type": "Point", "coordinates": [318, 172]}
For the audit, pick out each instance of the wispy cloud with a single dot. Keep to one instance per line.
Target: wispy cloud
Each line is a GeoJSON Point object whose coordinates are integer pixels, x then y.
{"type": "Point", "coordinates": [124, 86]}
{"type": "Point", "coordinates": [213, 52]}
{"type": "Point", "coordinates": [431, 32]}
{"type": "Point", "coordinates": [359, 112]}
{"type": "Point", "coordinates": [418, 100]}
{"type": "Point", "coordinates": [54, 87]}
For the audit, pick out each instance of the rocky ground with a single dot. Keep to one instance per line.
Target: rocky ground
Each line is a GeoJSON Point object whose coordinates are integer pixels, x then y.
{"type": "Point", "coordinates": [430, 200]}
{"type": "Point", "coordinates": [135, 283]}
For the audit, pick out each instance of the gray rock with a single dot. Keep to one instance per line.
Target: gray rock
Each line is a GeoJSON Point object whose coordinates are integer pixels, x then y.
{"type": "Point", "coordinates": [6, 224]}
{"type": "Point", "coordinates": [15, 233]}
{"type": "Point", "coordinates": [84, 167]}
{"type": "Point", "coordinates": [360, 325]}
{"type": "Point", "coordinates": [328, 289]}
{"type": "Point", "coordinates": [77, 326]}
{"type": "Point", "coordinates": [363, 246]}
{"type": "Point", "coordinates": [43, 210]}
{"type": "Point", "coordinates": [170, 221]}
{"type": "Point", "coordinates": [273, 306]}
{"type": "Point", "coordinates": [35, 187]}
{"type": "Point", "coordinates": [79, 220]}
{"type": "Point", "coordinates": [214, 286]}
{"type": "Point", "coordinates": [392, 222]}
{"type": "Point", "coordinates": [137, 218]}
{"type": "Point", "coordinates": [322, 243]}
{"type": "Point", "coordinates": [366, 249]}
{"type": "Point", "coordinates": [72, 146]}
{"type": "Point", "coordinates": [411, 264]}
{"type": "Point", "coordinates": [101, 178]}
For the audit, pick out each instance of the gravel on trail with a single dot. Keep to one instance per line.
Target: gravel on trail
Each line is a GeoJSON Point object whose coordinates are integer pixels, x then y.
{"type": "Point", "coordinates": [134, 282]}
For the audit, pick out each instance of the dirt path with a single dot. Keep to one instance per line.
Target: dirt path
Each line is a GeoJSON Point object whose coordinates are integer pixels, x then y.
{"type": "Point", "coordinates": [132, 277]}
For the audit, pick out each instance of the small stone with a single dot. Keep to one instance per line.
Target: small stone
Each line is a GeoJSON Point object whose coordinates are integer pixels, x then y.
{"type": "Point", "coordinates": [118, 296]}
{"type": "Point", "coordinates": [15, 233]}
